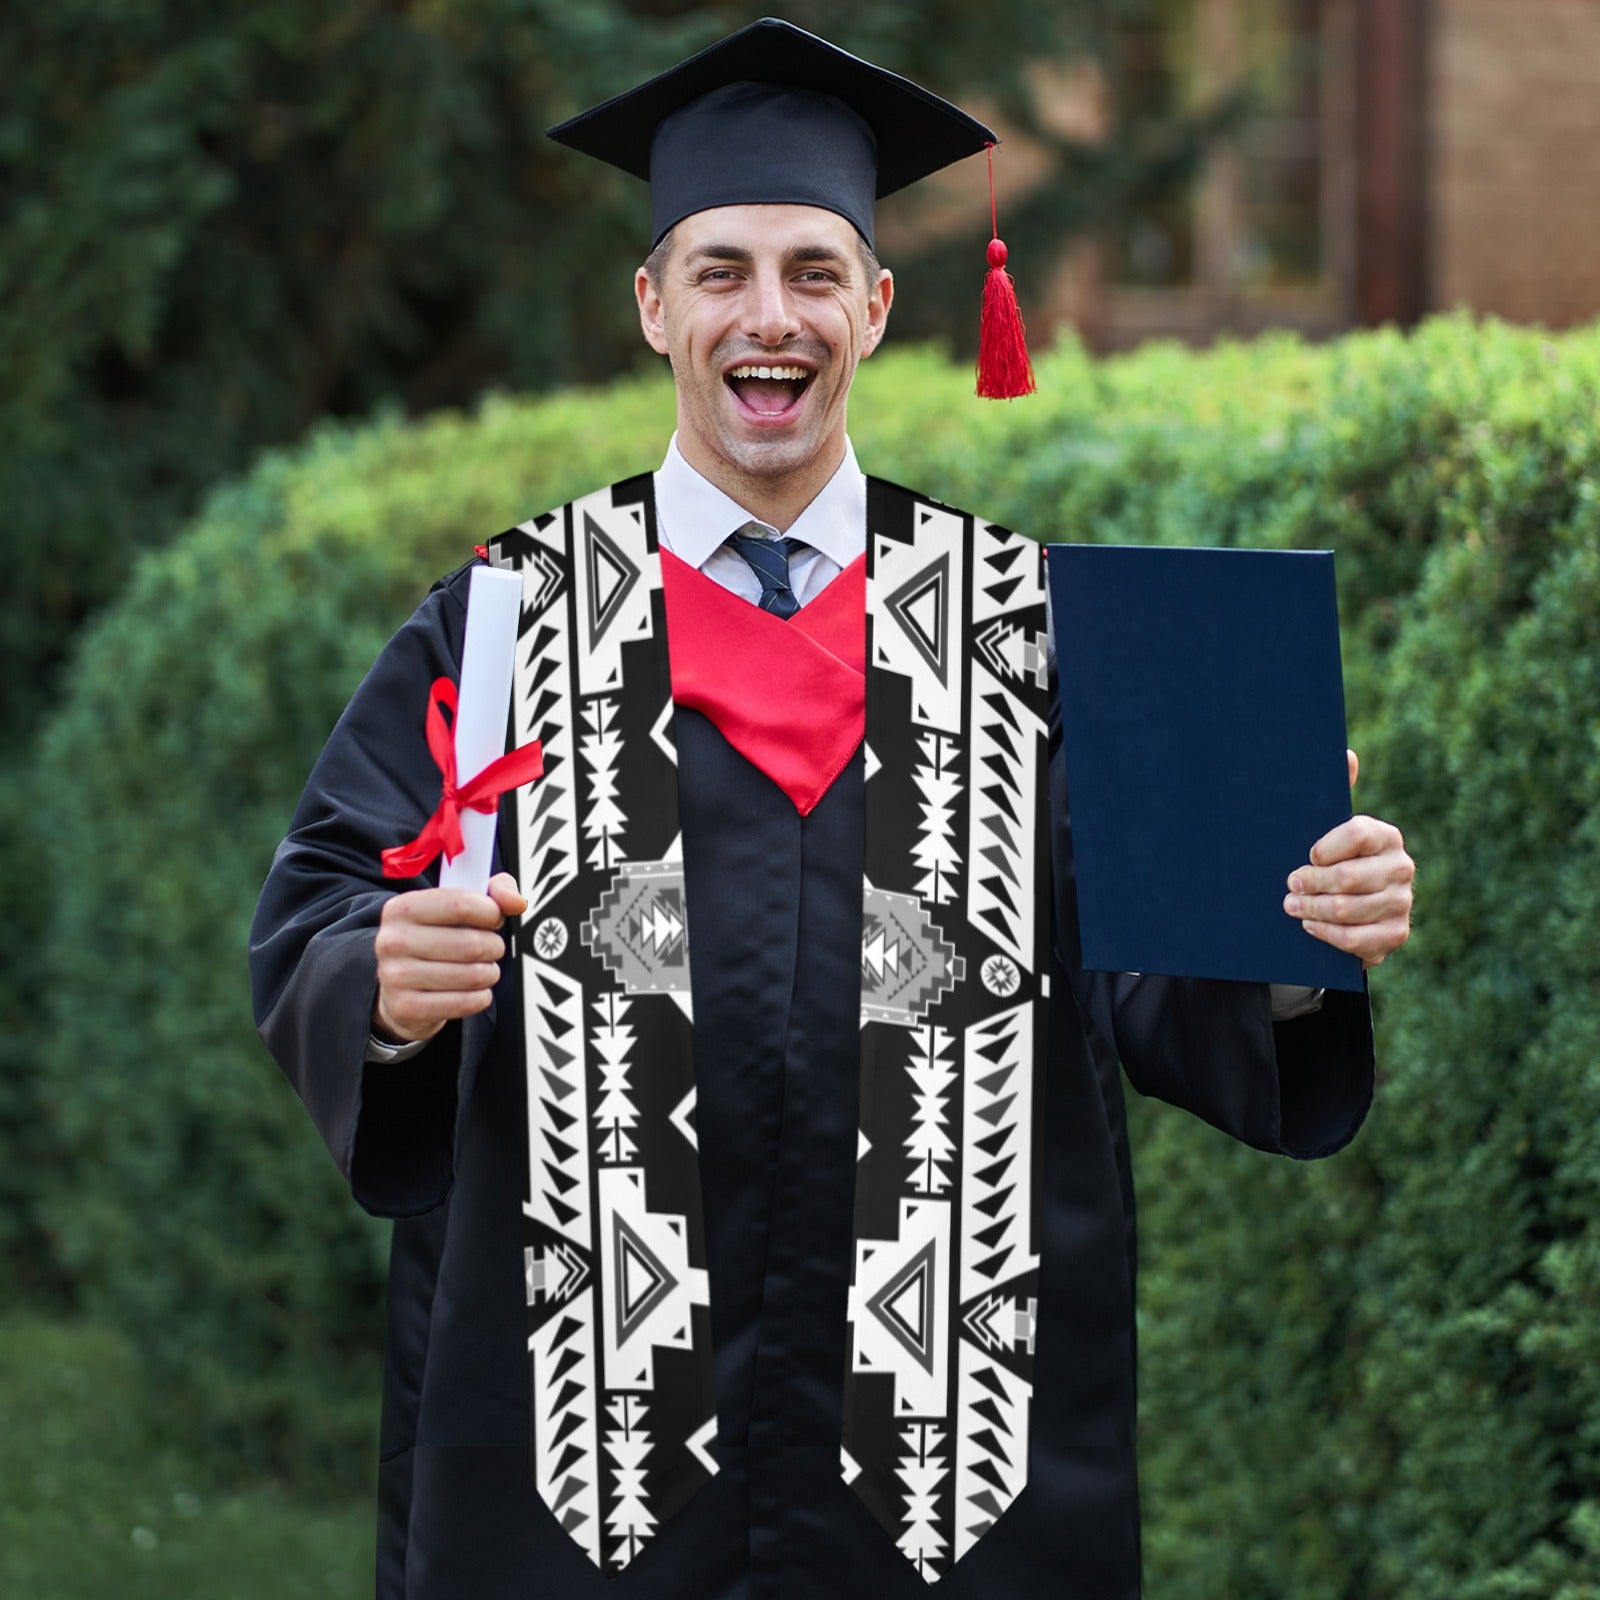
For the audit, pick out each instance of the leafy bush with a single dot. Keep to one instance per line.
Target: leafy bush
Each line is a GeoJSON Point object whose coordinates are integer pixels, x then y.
{"type": "Point", "coordinates": [1376, 1377]}
{"type": "Point", "coordinates": [97, 1500]}
{"type": "Point", "coordinates": [1373, 1378]}
{"type": "Point", "coordinates": [193, 1210]}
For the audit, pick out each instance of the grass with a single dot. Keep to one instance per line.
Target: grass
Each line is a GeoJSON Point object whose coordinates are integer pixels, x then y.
{"type": "Point", "coordinates": [93, 1503]}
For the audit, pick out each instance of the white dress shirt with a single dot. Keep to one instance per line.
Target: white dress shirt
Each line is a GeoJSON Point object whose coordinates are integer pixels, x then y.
{"type": "Point", "coordinates": [693, 520]}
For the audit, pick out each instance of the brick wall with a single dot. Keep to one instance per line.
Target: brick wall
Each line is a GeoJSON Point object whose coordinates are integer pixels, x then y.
{"type": "Point", "coordinates": [1514, 158]}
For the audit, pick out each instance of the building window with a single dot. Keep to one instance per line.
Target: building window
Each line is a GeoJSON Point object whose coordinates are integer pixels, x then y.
{"type": "Point", "coordinates": [1265, 234]}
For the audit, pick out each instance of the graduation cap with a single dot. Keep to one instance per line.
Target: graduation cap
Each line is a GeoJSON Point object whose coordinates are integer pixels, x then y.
{"type": "Point", "coordinates": [773, 115]}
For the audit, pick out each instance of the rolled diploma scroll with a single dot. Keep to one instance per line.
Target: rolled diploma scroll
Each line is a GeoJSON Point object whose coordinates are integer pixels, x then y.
{"type": "Point", "coordinates": [494, 609]}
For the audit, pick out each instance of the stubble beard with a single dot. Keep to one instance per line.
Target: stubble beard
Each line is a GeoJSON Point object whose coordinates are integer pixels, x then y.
{"type": "Point", "coordinates": [767, 459]}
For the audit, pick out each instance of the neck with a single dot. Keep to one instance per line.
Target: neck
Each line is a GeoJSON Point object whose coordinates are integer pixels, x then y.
{"type": "Point", "coordinates": [776, 500]}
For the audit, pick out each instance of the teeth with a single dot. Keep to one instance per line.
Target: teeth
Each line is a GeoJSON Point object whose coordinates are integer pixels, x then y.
{"type": "Point", "coordinates": [797, 374]}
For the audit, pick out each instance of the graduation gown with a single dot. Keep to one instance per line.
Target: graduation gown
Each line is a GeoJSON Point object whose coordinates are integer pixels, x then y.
{"type": "Point", "coordinates": [438, 1143]}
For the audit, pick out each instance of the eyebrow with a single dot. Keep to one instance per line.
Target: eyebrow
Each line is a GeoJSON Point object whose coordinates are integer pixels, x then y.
{"type": "Point", "coordinates": [738, 255]}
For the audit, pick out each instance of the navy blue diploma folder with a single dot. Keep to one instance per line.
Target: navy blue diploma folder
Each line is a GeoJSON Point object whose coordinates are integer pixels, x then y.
{"type": "Point", "coordinates": [1202, 718]}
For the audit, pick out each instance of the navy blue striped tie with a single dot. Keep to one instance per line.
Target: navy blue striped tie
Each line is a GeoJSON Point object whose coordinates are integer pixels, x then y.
{"type": "Point", "coordinates": [769, 560]}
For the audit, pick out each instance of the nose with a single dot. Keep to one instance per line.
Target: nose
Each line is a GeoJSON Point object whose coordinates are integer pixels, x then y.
{"type": "Point", "coordinates": [771, 317]}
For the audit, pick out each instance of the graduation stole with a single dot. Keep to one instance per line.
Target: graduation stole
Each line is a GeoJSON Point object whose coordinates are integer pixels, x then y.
{"type": "Point", "coordinates": [954, 985]}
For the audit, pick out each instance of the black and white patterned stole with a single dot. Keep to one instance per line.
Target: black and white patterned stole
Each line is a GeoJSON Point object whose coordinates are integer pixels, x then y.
{"type": "Point", "coordinates": [954, 967]}
{"type": "Point", "coordinates": [955, 983]}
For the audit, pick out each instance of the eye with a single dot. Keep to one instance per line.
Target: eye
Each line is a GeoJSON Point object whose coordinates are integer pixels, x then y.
{"type": "Point", "coordinates": [718, 275]}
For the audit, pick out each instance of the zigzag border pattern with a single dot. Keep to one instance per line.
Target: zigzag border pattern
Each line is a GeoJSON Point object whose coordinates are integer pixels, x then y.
{"type": "Point", "coordinates": [996, 1151]}
{"type": "Point", "coordinates": [547, 843]}
{"type": "Point", "coordinates": [1001, 847]}
{"type": "Point", "coordinates": [991, 1444]}
{"type": "Point", "coordinates": [564, 1380]}
{"type": "Point", "coordinates": [557, 1103]}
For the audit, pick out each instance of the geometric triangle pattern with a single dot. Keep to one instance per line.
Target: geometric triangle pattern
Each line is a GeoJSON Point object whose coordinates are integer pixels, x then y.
{"type": "Point", "coordinates": [921, 606]}
{"type": "Point", "coordinates": [653, 1290]}
{"type": "Point", "coordinates": [905, 1306]}
{"type": "Point", "coordinates": [612, 575]}
{"type": "Point", "coordinates": [900, 1305]}
{"type": "Point", "coordinates": [918, 603]}
{"type": "Point", "coordinates": [957, 928]}
{"type": "Point", "coordinates": [954, 964]}
{"type": "Point", "coordinates": [619, 1331]}
{"type": "Point", "coordinates": [642, 1281]}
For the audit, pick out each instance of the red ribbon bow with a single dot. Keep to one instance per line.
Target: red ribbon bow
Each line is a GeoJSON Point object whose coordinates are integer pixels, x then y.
{"type": "Point", "coordinates": [442, 831]}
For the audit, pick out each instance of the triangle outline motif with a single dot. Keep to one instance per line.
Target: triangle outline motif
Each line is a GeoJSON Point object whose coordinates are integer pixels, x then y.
{"type": "Point", "coordinates": [656, 1283]}
{"type": "Point", "coordinates": [911, 1327]}
{"type": "Point", "coordinates": [611, 577]}
{"type": "Point", "coordinates": [926, 591]}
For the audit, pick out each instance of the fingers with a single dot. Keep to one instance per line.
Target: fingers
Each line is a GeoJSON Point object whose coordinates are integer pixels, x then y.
{"type": "Point", "coordinates": [409, 951]}
{"type": "Point", "coordinates": [1378, 904]}
{"type": "Point", "coordinates": [1372, 942]}
{"type": "Point", "coordinates": [504, 892]}
{"type": "Point", "coordinates": [426, 941]}
{"type": "Point", "coordinates": [414, 1014]}
{"type": "Point", "coordinates": [415, 972]}
{"type": "Point", "coordinates": [1360, 836]}
{"type": "Point", "coordinates": [438, 956]}
{"type": "Point", "coordinates": [1350, 879]}
{"type": "Point", "coordinates": [1356, 892]}
{"type": "Point", "coordinates": [449, 908]}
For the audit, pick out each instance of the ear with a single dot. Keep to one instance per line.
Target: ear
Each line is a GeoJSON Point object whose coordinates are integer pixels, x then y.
{"type": "Point", "coordinates": [652, 315]}
{"type": "Point", "coordinates": [879, 299]}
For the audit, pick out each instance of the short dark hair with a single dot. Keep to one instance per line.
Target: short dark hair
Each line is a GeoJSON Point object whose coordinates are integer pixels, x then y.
{"type": "Point", "coordinates": [655, 264]}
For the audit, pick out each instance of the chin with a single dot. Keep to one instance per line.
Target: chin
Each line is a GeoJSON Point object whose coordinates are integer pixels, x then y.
{"type": "Point", "coordinates": [770, 458]}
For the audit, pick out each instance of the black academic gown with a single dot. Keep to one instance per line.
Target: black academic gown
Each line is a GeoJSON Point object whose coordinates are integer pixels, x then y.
{"type": "Point", "coordinates": [774, 904]}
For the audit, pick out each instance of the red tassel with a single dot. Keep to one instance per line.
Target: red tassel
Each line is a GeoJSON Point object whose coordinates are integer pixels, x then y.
{"type": "Point", "coordinates": [1004, 370]}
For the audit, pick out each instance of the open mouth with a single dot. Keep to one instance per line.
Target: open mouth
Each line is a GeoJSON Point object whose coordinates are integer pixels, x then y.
{"type": "Point", "coordinates": [769, 391]}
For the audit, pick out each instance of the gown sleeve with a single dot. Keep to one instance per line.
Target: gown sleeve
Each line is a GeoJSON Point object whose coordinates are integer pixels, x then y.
{"type": "Point", "coordinates": [390, 1127]}
{"type": "Point", "coordinates": [1299, 1088]}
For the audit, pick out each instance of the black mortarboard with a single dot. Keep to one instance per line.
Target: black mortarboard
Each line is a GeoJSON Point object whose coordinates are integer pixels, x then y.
{"type": "Point", "coordinates": [774, 115]}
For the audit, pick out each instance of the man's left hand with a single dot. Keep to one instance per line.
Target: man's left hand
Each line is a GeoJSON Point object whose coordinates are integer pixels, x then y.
{"type": "Point", "coordinates": [1355, 893]}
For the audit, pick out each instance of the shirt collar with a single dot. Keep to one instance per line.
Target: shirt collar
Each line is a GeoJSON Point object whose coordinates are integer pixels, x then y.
{"type": "Point", "coordinates": [695, 517]}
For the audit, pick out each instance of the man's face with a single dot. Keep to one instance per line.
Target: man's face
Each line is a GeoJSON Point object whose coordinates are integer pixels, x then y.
{"type": "Point", "coordinates": [764, 311]}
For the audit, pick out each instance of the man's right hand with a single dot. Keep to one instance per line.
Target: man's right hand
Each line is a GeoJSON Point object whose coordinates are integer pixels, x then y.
{"type": "Point", "coordinates": [438, 956]}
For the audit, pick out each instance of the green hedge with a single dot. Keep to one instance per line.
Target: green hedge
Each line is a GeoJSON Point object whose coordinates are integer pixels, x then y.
{"type": "Point", "coordinates": [1374, 1377]}
{"type": "Point", "coordinates": [194, 1205]}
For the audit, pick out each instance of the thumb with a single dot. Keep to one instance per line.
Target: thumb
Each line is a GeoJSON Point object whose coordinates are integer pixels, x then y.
{"type": "Point", "coordinates": [504, 892]}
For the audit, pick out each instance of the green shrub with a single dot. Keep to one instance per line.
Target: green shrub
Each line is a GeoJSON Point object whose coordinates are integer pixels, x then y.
{"type": "Point", "coordinates": [1376, 1378]}
{"type": "Point", "coordinates": [195, 1207]}
{"type": "Point", "coordinates": [1370, 1378]}
{"type": "Point", "coordinates": [96, 1500]}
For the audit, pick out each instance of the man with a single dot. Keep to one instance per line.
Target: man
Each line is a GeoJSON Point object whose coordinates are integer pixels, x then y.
{"type": "Point", "coordinates": [744, 1243]}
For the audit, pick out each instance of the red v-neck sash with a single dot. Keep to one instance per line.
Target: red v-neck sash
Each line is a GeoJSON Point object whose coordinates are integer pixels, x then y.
{"type": "Point", "coordinates": [789, 696]}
